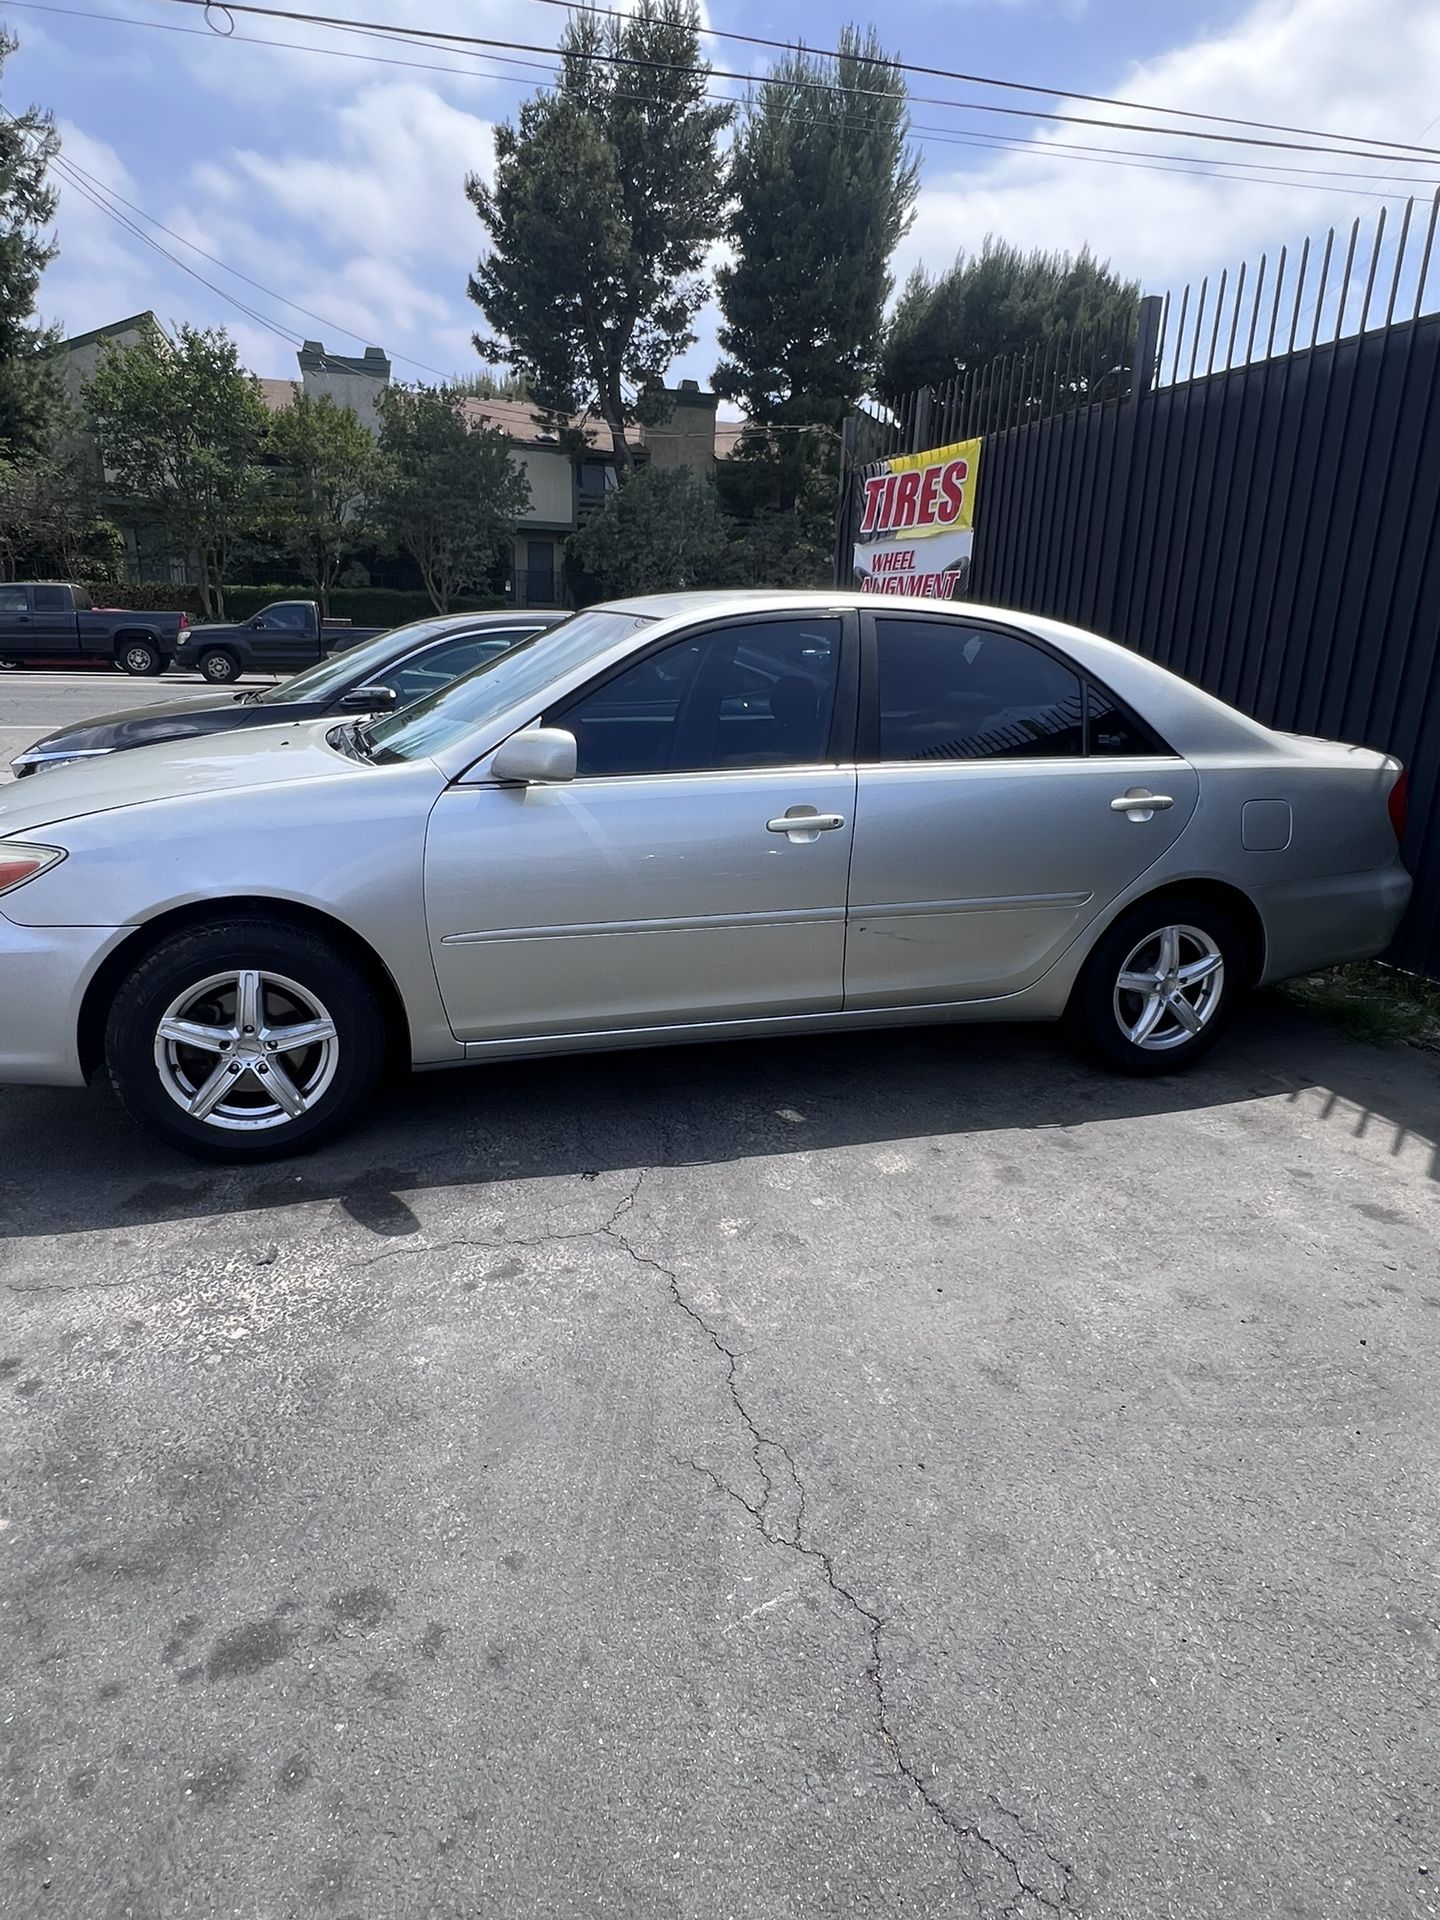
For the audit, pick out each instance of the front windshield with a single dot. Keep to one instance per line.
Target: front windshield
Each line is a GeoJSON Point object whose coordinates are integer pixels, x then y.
{"type": "Point", "coordinates": [326, 678]}
{"type": "Point", "coordinates": [524, 673]}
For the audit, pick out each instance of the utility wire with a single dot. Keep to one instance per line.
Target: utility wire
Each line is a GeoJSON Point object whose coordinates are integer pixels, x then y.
{"type": "Point", "coordinates": [921, 134]}
{"type": "Point", "coordinates": [425, 35]}
{"type": "Point", "coordinates": [992, 80]}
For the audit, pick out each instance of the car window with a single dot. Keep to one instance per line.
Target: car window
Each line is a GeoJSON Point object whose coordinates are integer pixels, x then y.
{"type": "Point", "coordinates": [953, 692]}
{"type": "Point", "coordinates": [522, 673]}
{"type": "Point", "coordinates": [289, 616]}
{"type": "Point", "coordinates": [437, 666]}
{"type": "Point", "coordinates": [371, 660]}
{"type": "Point", "coordinates": [1110, 731]}
{"type": "Point", "coordinates": [757, 694]}
{"type": "Point", "coordinates": [51, 599]}
{"type": "Point", "coordinates": [13, 600]}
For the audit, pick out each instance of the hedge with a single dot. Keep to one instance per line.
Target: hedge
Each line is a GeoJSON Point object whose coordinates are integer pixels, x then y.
{"type": "Point", "coordinates": [365, 606]}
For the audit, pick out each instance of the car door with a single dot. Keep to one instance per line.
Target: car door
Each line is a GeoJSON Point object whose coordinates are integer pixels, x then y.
{"type": "Point", "coordinates": [695, 869]}
{"type": "Point", "coordinates": [53, 628]}
{"type": "Point", "coordinates": [986, 835]}
{"type": "Point", "coordinates": [282, 638]}
{"type": "Point", "coordinates": [16, 626]}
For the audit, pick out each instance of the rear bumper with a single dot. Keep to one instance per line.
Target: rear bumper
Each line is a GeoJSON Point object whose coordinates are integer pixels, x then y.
{"type": "Point", "coordinates": [44, 972]}
{"type": "Point", "coordinates": [1324, 922]}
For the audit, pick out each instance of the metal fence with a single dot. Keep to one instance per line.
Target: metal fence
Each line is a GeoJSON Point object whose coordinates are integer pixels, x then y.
{"type": "Point", "coordinates": [1249, 493]}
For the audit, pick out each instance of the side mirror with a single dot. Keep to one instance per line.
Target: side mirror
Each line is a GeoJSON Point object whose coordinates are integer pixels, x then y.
{"type": "Point", "coordinates": [537, 755]}
{"type": "Point", "coordinates": [256, 620]}
{"type": "Point", "coordinates": [368, 700]}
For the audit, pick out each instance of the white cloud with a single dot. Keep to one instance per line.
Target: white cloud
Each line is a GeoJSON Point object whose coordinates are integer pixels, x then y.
{"type": "Point", "coordinates": [1313, 63]}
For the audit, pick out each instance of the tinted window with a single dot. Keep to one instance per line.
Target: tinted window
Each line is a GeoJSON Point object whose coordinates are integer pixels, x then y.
{"type": "Point", "coordinates": [428, 672]}
{"type": "Point", "coordinates": [290, 617]}
{"type": "Point", "coordinates": [951, 692]}
{"type": "Point", "coordinates": [756, 695]}
{"type": "Point", "coordinates": [51, 599]}
{"type": "Point", "coordinates": [13, 600]}
{"type": "Point", "coordinates": [1110, 731]}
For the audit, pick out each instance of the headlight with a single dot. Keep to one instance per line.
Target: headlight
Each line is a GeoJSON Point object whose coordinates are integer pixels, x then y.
{"type": "Point", "coordinates": [20, 862]}
{"type": "Point", "coordinates": [37, 759]}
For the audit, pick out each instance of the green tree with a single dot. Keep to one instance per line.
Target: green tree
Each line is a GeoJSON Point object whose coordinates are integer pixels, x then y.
{"type": "Point", "coordinates": [321, 487]}
{"type": "Point", "coordinates": [605, 197]}
{"type": "Point", "coordinates": [29, 387]}
{"type": "Point", "coordinates": [824, 189]}
{"type": "Point", "coordinates": [999, 301]}
{"type": "Point", "coordinates": [449, 494]}
{"type": "Point", "coordinates": [180, 428]}
{"type": "Point", "coordinates": [661, 530]}
{"type": "Point", "coordinates": [51, 520]}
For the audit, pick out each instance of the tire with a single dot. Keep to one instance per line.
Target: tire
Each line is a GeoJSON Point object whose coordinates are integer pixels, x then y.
{"type": "Point", "coordinates": [1137, 1029]}
{"type": "Point", "coordinates": [139, 656]}
{"type": "Point", "coordinates": [196, 976]}
{"type": "Point", "coordinates": [219, 666]}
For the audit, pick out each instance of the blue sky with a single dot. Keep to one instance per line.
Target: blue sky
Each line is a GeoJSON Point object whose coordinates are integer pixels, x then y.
{"type": "Point", "coordinates": [336, 183]}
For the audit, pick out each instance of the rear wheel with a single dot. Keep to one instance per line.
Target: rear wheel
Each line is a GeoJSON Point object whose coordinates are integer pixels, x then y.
{"type": "Point", "coordinates": [244, 1041]}
{"type": "Point", "coordinates": [218, 666]}
{"type": "Point", "coordinates": [1160, 987]}
{"type": "Point", "coordinates": [139, 657]}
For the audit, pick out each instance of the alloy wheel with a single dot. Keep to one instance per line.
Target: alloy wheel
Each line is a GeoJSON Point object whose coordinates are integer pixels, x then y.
{"type": "Point", "coordinates": [1169, 988]}
{"type": "Point", "coordinates": [246, 1050]}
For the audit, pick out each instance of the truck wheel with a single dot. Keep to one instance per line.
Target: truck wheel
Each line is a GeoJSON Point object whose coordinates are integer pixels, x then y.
{"type": "Point", "coordinates": [219, 666]}
{"type": "Point", "coordinates": [139, 657]}
{"type": "Point", "coordinates": [244, 1040]}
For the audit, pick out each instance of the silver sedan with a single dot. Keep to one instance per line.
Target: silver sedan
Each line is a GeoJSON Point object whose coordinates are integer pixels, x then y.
{"type": "Point", "coordinates": [688, 817]}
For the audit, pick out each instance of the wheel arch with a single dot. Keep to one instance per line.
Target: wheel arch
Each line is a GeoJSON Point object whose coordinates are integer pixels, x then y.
{"type": "Point", "coordinates": [1222, 894]}
{"type": "Point", "coordinates": [122, 634]}
{"type": "Point", "coordinates": [99, 994]}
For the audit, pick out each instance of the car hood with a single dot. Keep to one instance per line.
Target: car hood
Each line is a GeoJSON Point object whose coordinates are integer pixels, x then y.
{"type": "Point", "coordinates": [281, 755]}
{"type": "Point", "coordinates": [135, 726]}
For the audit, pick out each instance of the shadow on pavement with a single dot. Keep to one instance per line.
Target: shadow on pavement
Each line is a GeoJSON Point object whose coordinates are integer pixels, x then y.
{"type": "Point", "coordinates": [71, 1162]}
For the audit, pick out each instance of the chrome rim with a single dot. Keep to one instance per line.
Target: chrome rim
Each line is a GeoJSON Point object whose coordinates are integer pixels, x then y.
{"type": "Point", "coordinates": [1169, 988]}
{"type": "Point", "coordinates": [217, 667]}
{"type": "Point", "coordinates": [137, 659]}
{"type": "Point", "coordinates": [246, 1050]}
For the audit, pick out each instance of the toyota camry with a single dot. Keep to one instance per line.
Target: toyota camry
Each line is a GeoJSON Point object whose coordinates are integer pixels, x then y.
{"type": "Point", "coordinates": [687, 817]}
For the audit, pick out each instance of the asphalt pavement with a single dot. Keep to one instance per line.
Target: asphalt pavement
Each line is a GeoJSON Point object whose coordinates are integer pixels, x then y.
{"type": "Point", "coordinates": [909, 1474]}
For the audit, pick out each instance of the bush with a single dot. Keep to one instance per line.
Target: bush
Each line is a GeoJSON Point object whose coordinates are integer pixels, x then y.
{"type": "Point", "coordinates": [363, 606]}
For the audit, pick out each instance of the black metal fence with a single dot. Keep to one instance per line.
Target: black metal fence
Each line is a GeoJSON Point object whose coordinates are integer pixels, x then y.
{"type": "Point", "coordinates": [1248, 493]}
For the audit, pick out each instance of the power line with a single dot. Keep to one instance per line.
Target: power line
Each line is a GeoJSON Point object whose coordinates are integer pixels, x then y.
{"type": "Point", "coordinates": [921, 135]}
{"type": "Point", "coordinates": [425, 35]}
{"type": "Point", "coordinates": [319, 318]}
{"type": "Point", "coordinates": [992, 80]}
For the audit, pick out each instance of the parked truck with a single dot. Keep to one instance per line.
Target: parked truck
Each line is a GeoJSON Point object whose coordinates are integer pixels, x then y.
{"type": "Point", "coordinates": [281, 638]}
{"type": "Point", "coordinates": [52, 623]}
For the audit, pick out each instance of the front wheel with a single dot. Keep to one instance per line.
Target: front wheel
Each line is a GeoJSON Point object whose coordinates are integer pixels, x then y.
{"type": "Point", "coordinates": [1160, 986]}
{"type": "Point", "coordinates": [244, 1040]}
{"type": "Point", "coordinates": [139, 657]}
{"type": "Point", "coordinates": [218, 667]}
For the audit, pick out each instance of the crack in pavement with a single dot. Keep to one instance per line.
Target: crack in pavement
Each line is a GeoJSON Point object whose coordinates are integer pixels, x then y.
{"type": "Point", "coordinates": [794, 1541]}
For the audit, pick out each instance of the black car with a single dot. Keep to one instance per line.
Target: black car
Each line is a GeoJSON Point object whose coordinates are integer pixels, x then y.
{"type": "Point", "coordinates": [391, 671]}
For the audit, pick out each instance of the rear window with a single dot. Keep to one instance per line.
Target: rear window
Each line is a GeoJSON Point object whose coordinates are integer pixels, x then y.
{"type": "Point", "coordinates": [53, 599]}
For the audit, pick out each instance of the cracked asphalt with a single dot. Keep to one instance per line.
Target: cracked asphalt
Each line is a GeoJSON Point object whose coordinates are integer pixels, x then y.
{"type": "Point", "coordinates": [902, 1475]}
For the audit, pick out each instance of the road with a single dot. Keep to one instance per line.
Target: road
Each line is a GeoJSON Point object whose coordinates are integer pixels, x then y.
{"type": "Point", "coordinates": [899, 1475]}
{"type": "Point", "coordinates": [35, 703]}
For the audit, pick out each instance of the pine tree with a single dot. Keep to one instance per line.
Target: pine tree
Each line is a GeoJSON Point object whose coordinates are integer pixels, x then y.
{"type": "Point", "coordinates": [605, 198]}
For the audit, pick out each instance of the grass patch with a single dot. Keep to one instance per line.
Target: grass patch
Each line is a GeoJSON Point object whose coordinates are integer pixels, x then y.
{"type": "Point", "coordinates": [1372, 1002]}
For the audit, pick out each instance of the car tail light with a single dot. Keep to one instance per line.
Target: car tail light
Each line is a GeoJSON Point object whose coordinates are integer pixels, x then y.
{"type": "Point", "coordinates": [184, 621]}
{"type": "Point", "coordinates": [1399, 804]}
{"type": "Point", "coordinates": [21, 863]}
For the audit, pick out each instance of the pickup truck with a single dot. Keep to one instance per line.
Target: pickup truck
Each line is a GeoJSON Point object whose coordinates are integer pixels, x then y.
{"type": "Point", "coordinates": [52, 623]}
{"type": "Point", "coordinates": [281, 638]}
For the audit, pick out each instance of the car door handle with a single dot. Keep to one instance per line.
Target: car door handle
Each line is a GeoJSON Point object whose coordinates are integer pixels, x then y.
{"type": "Point", "coordinates": [1142, 803]}
{"type": "Point", "coordinates": [802, 820]}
